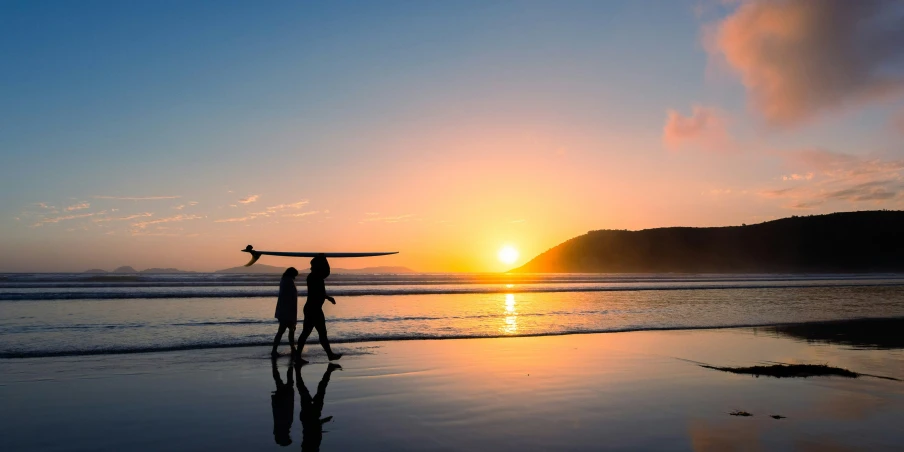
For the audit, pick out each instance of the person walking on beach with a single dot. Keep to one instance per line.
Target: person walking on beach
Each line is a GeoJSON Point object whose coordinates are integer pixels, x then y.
{"type": "Point", "coordinates": [313, 308]}
{"type": "Point", "coordinates": [286, 309]}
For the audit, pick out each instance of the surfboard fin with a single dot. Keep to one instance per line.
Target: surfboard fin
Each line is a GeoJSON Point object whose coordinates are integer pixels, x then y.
{"type": "Point", "coordinates": [254, 255]}
{"type": "Point", "coordinates": [254, 258]}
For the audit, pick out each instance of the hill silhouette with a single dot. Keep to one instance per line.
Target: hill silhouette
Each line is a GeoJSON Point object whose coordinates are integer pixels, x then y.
{"type": "Point", "coordinates": [867, 241]}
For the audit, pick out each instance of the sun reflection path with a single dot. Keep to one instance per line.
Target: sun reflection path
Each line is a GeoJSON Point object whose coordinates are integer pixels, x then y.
{"type": "Point", "coordinates": [511, 318]}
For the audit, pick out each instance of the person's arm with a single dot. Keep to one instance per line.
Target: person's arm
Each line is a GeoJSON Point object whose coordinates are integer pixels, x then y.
{"type": "Point", "coordinates": [327, 297]}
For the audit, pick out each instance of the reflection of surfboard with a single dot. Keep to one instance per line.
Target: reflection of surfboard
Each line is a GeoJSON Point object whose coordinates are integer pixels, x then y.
{"type": "Point", "coordinates": [255, 255]}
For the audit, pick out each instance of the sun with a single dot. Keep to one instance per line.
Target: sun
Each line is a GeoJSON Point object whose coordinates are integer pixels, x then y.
{"type": "Point", "coordinates": [508, 255]}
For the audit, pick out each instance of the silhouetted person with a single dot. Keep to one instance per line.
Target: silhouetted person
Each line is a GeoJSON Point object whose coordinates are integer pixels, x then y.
{"type": "Point", "coordinates": [312, 408]}
{"type": "Point", "coordinates": [313, 308]}
{"type": "Point", "coordinates": [286, 309]}
{"type": "Point", "coordinates": [283, 403]}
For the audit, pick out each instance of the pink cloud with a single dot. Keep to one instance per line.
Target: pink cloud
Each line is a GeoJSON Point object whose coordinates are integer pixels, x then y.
{"type": "Point", "coordinates": [800, 58]}
{"type": "Point", "coordinates": [705, 129]}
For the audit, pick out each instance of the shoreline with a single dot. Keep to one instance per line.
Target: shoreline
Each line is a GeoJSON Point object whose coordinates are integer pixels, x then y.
{"type": "Point", "coordinates": [899, 320]}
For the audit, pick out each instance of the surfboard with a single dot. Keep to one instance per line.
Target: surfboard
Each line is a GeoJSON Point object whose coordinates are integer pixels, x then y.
{"type": "Point", "coordinates": [255, 254]}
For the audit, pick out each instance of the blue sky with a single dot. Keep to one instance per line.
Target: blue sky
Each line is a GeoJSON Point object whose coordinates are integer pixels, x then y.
{"type": "Point", "coordinates": [417, 114]}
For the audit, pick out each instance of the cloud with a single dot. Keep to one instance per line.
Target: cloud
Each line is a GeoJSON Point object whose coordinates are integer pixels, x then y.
{"type": "Point", "coordinates": [780, 193]}
{"type": "Point", "coordinates": [295, 205]}
{"type": "Point", "coordinates": [390, 219]}
{"type": "Point", "coordinates": [79, 206]}
{"type": "Point", "coordinates": [235, 220]}
{"type": "Point", "coordinates": [806, 204]}
{"type": "Point", "coordinates": [835, 164]}
{"type": "Point", "coordinates": [705, 129]}
{"type": "Point", "coordinates": [136, 198]}
{"type": "Point", "coordinates": [44, 205]}
{"type": "Point", "coordinates": [141, 225]}
{"type": "Point", "coordinates": [51, 220]}
{"type": "Point", "coordinates": [249, 199]}
{"type": "Point", "coordinates": [800, 58]}
{"type": "Point", "coordinates": [835, 177]}
{"type": "Point", "coordinates": [867, 191]}
{"type": "Point", "coordinates": [126, 218]}
{"type": "Point", "coordinates": [302, 214]}
{"type": "Point", "coordinates": [795, 176]}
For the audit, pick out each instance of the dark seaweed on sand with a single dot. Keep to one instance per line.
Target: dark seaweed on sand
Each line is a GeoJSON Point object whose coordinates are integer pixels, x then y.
{"type": "Point", "coordinates": [740, 413]}
{"type": "Point", "coordinates": [794, 371]}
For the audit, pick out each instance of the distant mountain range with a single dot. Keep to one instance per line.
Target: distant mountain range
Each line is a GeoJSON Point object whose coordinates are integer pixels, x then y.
{"type": "Point", "coordinates": [126, 270]}
{"type": "Point", "coordinates": [254, 269]}
{"type": "Point", "coordinates": [870, 241]}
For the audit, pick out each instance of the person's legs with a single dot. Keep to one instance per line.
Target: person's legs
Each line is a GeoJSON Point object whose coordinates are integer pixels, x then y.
{"type": "Point", "coordinates": [306, 329]}
{"type": "Point", "coordinates": [292, 338]}
{"type": "Point", "coordinates": [324, 340]}
{"type": "Point", "coordinates": [279, 333]}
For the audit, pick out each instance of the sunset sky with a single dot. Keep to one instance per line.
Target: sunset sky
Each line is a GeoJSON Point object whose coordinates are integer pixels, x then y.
{"type": "Point", "coordinates": [172, 134]}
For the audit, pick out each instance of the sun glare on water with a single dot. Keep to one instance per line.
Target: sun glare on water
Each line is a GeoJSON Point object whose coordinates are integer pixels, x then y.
{"type": "Point", "coordinates": [508, 255]}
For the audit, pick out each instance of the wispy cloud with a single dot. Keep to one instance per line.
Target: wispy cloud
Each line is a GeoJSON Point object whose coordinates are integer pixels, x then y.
{"type": "Point", "coordinates": [837, 177]}
{"type": "Point", "coordinates": [294, 205]}
{"type": "Point", "coordinates": [249, 199]}
{"type": "Point", "coordinates": [269, 211]}
{"type": "Point", "coordinates": [44, 205]}
{"type": "Point", "coordinates": [142, 225]}
{"type": "Point", "coordinates": [51, 220]}
{"type": "Point", "coordinates": [302, 214]}
{"type": "Point", "coordinates": [135, 198]}
{"type": "Point", "coordinates": [79, 206]}
{"type": "Point", "coordinates": [235, 220]}
{"type": "Point", "coordinates": [795, 176]}
{"type": "Point", "coordinates": [126, 218]}
{"type": "Point", "coordinates": [389, 219]}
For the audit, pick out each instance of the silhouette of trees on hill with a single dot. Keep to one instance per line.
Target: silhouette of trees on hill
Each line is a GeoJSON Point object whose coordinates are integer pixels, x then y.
{"type": "Point", "coordinates": [840, 242]}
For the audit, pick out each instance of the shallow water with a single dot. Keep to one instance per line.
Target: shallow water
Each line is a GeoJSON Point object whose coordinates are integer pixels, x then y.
{"type": "Point", "coordinates": [132, 315]}
{"type": "Point", "coordinates": [621, 391]}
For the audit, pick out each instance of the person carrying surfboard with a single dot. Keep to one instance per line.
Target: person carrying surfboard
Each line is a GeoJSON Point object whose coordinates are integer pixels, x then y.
{"type": "Point", "coordinates": [286, 309]}
{"type": "Point", "coordinates": [313, 308]}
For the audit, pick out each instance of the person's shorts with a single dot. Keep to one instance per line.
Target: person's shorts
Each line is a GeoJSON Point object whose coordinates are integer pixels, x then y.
{"type": "Point", "coordinates": [314, 317]}
{"type": "Point", "coordinates": [290, 324]}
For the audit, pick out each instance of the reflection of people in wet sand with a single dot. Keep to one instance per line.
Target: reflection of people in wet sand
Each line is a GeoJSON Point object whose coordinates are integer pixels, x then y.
{"type": "Point", "coordinates": [286, 309]}
{"type": "Point", "coordinates": [282, 401]}
{"type": "Point", "coordinates": [313, 307]}
{"type": "Point", "coordinates": [312, 408]}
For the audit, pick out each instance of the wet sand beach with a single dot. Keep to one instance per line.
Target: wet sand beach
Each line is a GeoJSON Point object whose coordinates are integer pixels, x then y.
{"type": "Point", "coordinates": [613, 391]}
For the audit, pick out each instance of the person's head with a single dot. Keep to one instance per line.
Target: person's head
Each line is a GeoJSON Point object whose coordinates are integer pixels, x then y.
{"type": "Point", "coordinates": [320, 267]}
{"type": "Point", "coordinates": [290, 272]}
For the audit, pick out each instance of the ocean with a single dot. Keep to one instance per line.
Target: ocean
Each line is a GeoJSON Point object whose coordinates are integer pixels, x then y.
{"type": "Point", "coordinates": [85, 314]}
